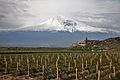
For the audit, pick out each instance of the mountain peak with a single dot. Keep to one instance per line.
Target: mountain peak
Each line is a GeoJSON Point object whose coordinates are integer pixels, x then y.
{"type": "Point", "coordinates": [60, 23]}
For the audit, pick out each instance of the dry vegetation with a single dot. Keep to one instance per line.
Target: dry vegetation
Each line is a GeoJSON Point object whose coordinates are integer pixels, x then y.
{"type": "Point", "coordinates": [60, 66]}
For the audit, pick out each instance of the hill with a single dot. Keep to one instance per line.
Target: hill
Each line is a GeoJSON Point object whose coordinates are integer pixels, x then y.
{"type": "Point", "coordinates": [110, 43]}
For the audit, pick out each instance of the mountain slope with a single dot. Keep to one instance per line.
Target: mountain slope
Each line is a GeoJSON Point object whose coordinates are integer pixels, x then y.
{"type": "Point", "coordinates": [112, 42]}
{"type": "Point", "coordinates": [109, 43]}
{"type": "Point", "coordinates": [60, 23]}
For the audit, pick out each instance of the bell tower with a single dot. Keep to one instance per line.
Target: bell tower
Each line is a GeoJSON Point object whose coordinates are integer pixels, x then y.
{"type": "Point", "coordinates": [86, 40]}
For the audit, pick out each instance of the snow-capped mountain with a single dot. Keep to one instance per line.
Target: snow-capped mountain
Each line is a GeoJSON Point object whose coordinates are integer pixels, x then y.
{"type": "Point", "coordinates": [60, 23]}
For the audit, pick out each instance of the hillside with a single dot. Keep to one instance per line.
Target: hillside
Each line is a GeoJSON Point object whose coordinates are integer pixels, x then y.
{"type": "Point", "coordinates": [110, 43]}
{"type": "Point", "coordinates": [113, 42]}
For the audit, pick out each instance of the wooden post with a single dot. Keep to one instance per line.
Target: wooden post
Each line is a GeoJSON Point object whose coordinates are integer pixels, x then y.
{"type": "Point", "coordinates": [10, 59]}
{"type": "Point", "coordinates": [86, 64]}
{"type": "Point", "coordinates": [28, 65]}
{"type": "Point", "coordinates": [58, 57]}
{"type": "Point", "coordinates": [43, 70]}
{"type": "Point", "coordinates": [76, 74]}
{"type": "Point", "coordinates": [114, 73]}
{"type": "Point", "coordinates": [100, 59]}
{"type": "Point", "coordinates": [69, 66]}
{"type": "Point", "coordinates": [4, 58]}
{"type": "Point", "coordinates": [57, 69]}
{"type": "Point", "coordinates": [110, 65]}
{"type": "Point", "coordinates": [82, 67]}
{"type": "Point", "coordinates": [109, 76]}
{"type": "Point", "coordinates": [37, 63]}
{"type": "Point", "coordinates": [65, 61]}
{"type": "Point", "coordinates": [57, 63]}
{"type": "Point", "coordinates": [97, 63]}
{"type": "Point", "coordinates": [17, 66]}
{"type": "Point", "coordinates": [6, 66]}
{"type": "Point", "coordinates": [98, 74]}
{"type": "Point", "coordinates": [77, 57]}
{"type": "Point", "coordinates": [97, 67]}
{"type": "Point", "coordinates": [57, 73]}
{"type": "Point", "coordinates": [75, 64]}
{"type": "Point", "coordinates": [33, 58]}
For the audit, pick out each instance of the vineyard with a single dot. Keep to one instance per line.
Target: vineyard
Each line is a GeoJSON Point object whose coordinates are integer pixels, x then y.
{"type": "Point", "coordinates": [61, 66]}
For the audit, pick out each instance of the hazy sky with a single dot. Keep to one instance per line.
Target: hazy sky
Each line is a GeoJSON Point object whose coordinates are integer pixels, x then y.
{"type": "Point", "coordinates": [98, 13]}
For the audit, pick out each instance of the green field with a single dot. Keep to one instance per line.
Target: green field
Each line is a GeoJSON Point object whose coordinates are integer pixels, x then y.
{"type": "Point", "coordinates": [59, 64]}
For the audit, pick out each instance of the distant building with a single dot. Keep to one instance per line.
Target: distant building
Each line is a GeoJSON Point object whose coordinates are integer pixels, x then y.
{"type": "Point", "coordinates": [85, 42]}
{"type": "Point", "coordinates": [82, 43]}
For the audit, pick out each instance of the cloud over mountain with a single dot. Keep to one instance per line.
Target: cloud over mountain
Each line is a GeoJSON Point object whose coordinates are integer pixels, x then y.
{"type": "Point", "coordinates": [60, 23]}
{"type": "Point", "coordinates": [98, 13]}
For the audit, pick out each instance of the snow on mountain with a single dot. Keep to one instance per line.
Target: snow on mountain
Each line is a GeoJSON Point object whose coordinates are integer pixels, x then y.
{"type": "Point", "coordinates": [60, 23]}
